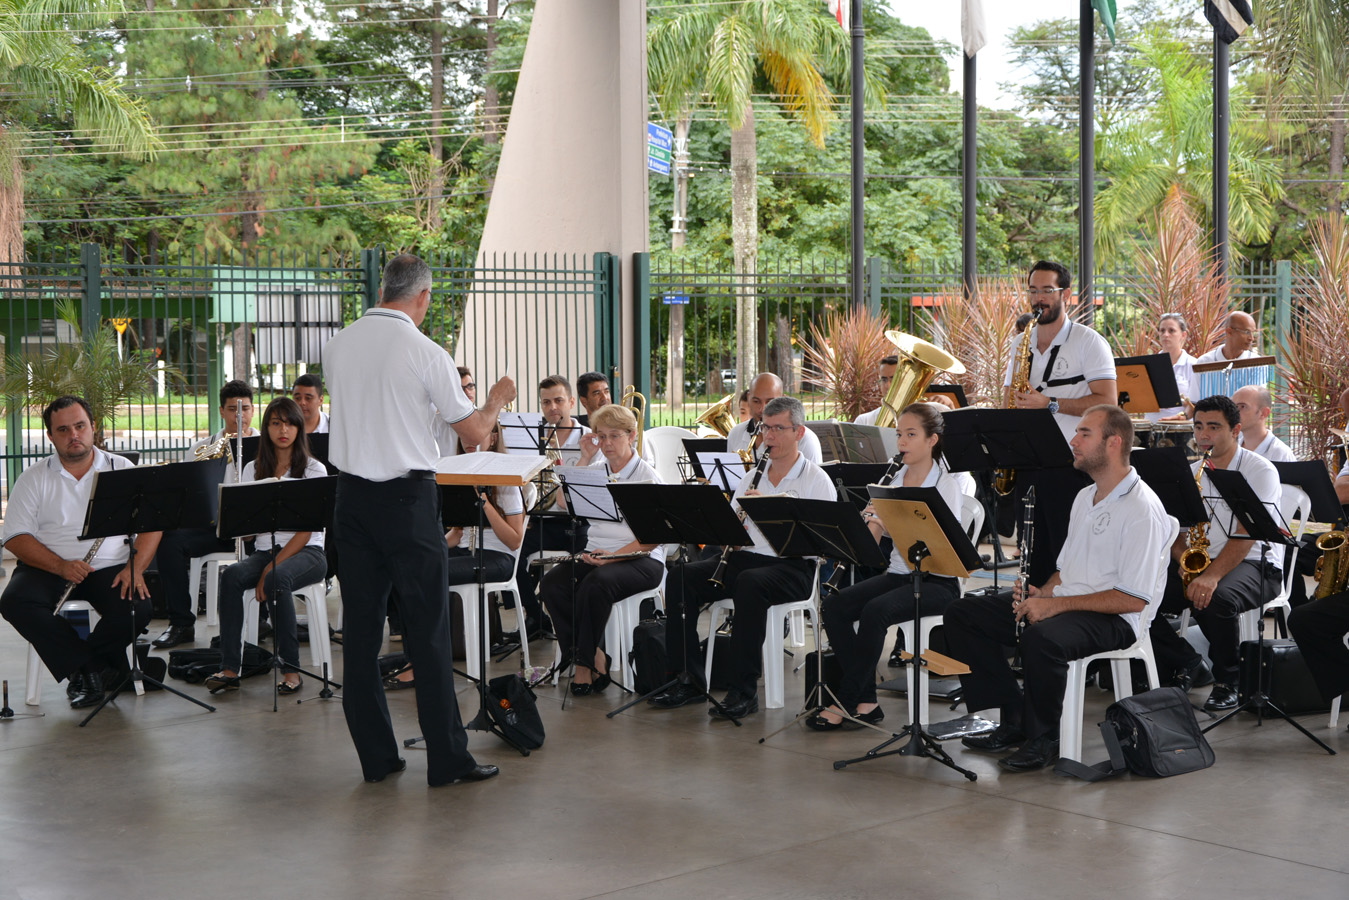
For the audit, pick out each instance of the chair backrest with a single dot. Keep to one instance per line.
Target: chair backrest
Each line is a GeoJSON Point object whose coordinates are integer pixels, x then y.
{"type": "Point", "coordinates": [1294, 504]}
{"type": "Point", "coordinates": [667, 445]}
{"type": "Point", "coordinates": [971, 516]}
{"type": "Point", "coordinates": [1150, 610]}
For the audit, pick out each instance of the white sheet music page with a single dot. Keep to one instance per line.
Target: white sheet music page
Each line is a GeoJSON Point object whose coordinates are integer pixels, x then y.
{"type": "Point", "coordinates": [489, 469]}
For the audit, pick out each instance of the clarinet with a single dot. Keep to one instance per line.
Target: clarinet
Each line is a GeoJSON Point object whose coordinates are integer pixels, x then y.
{"type": "Point", "coordinates": [719, 576]}
{"type": "Point", "coordinates": [88, 557]}
{"type": "Point", "coordinates": [832, 584]}
{"type": "Point", "coordinates": [1027, 535]}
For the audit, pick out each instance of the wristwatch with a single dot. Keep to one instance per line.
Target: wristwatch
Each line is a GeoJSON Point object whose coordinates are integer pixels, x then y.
{"type": "Point", "coordinates": [1053, 406]}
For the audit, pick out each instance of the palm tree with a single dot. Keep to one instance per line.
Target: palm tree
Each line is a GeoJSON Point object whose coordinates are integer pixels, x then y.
{"type": "Point", "coordinates": [1170, 144]}
{"type": "Point", "coordinates": [39, 57]}
{"type": "Point", "coordinates": [714, 53]}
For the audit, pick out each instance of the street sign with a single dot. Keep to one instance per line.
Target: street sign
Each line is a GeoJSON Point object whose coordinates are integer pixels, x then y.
{"type": "Point", "coordinates": [675, 299]}
{"type": "Point", "coordinates": [659, 142]}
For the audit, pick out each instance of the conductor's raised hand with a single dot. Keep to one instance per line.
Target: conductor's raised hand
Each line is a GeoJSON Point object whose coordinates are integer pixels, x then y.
{"type": "Point", "coordinates": [502, 392]}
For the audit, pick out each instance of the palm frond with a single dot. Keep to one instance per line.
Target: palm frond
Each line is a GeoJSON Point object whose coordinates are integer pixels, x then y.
{"type": "Point", "coordinates": [844, 355]}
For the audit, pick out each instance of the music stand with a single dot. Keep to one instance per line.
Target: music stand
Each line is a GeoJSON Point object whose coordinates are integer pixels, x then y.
{"type": "Point", "coordinates": [862, 443]}
{"type": "Point", "coordinates": [852, 479]}
{"type": "Point", "coordinates": [1147, 384]}
{"type": "Point", "coordinates": [138, 500]}
{"type": "Point", "coordinates": [680, 514]}
{"type": "Point", "coordinates": [798, 528]}
{"type": "Point", "coordinates": [919, 519]}
{"type": "Point", "coordinates": [1313, 478]}
{"type": "Point", "coordinates": [1167, 471]}
{"type": "Point", "coordinates": [1250, 512]}
{"type": "Point", "coordinates": [266, 507]}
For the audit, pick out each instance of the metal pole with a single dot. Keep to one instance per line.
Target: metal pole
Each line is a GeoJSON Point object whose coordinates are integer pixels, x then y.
{"type": "Point", "coordinates": [1087, 164]}
{"type": "Point", "coordinates": [858, 173]}
{"type": "Point", "coordinates": [1221, 52]}
{"type": "Point", "coordinates": [969, 180]}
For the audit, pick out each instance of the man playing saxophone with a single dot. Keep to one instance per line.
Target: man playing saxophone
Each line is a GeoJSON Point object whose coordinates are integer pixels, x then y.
{"type": "Point", "coordinates": [1232, 582]}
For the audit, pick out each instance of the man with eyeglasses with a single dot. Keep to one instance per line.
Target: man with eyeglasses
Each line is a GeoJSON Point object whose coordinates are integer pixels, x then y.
{"type": "Point", "coordinates": [1239, 342]}
{"type": "Point", "coordinates": [756, 577]}
{"type": "Point", "coordinates": [764, 388]}
{"type": "Point", "coordinates": [1072, 370]}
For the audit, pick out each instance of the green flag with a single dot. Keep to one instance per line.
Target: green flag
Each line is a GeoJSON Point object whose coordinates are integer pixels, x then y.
{"type": "Point", "coordinates": [1107, 10]}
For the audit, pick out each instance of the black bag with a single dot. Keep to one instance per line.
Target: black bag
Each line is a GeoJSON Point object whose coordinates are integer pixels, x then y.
{"type": "Point", "coordinates": [648, 659]}
{"type": "Point", "coordinates": [1153, 734]}
{"type": "Point", "coordinates": [833, 672]}
{"type": "Point", "coordinates": [199, 663]}
{"type": "Point", "coordinates": [1292, 687]}
{"type": "Point", "coordinates": [513, 709]}
{"type": "Point", "coordinates": [721, 662]}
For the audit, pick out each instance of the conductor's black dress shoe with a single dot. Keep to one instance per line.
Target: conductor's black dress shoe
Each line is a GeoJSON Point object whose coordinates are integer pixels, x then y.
{"type": "Point", "coordinates": [398, 766]}
{"type": "Point", "coordinates": [1033, 755]}
{"type": "Point", "coordinates": [477, 773]}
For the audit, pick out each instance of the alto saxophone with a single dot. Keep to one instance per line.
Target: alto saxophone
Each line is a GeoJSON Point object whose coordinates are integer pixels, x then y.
{"type": "Point", "coordinates": [1004, 480]}
{"type": "Point", "coordinates": [1332, 569]}
{"type": "Point", "coordinates": [1195, 559]}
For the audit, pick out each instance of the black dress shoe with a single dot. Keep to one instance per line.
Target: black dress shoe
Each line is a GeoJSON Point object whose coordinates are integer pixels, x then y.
{"type": "Point", "coordinates": [1194, 674]}
{"type": "Point", "coordinates": [477, 773]}
{"type": "Point", "coordinates": [677, 696]}
{"type": "Point", "coordinates": [897, 659]}
{"type": "Point", "coordinates": [1034, 755]}
{"type": "Point", "coordinates": [735, 706]}
{"type": "Point", "coordinates": [91, 693]}
{"type": "Point", "coordinates": [398, 766]}
{"type": "Point", "coordinates": [1224, 696]}
{"type": "Point", "coordinates": [75, 685]}
{"type": "Point", "coordinates": [1003, 738]}
{"type": "Point", "coordinates": [175, 635]}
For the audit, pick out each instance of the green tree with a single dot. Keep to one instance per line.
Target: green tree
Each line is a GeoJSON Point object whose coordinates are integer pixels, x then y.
{"type": "Point", "coordinates": [50, 74]}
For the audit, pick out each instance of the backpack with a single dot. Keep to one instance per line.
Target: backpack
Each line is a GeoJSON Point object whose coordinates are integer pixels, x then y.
{"type": "Point", "coordinates": [1153, 734]}
{"type": "Point", "coordinates": [514, 712]}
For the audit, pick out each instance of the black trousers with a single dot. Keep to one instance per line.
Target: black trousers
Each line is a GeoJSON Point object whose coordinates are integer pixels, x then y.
{"type": "Point", "coordinates": [755, 582]}
{"type": "Point", "coordinates": [979, 628]}
{"type": "Point", "coordinates": [462, 568]}
{"type": "Point", "coordinates": [875, 605]}
{"type": "Point", "coordinates": [29, 604]}
{"type": "Point", "coordinates": [176, 550]}
{"type": "Point", "coordinates": [1055, 490]}
{"type": "Point", "coordinates": [1237, 591]}
{"type": "Point", "coordinates": [1319, 627]}
{"type": "Point", "coordinates": [598, 588]}
{"type": "Point", "coordinates": [544, 533]}
{"type": "Point", "coordinates": [389, 535]}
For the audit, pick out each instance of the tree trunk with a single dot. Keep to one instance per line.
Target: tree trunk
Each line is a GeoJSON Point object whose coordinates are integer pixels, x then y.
{"type": "Point", "coordinates": [1336, 166]}
{"type": "Point", "coordinates": [674, 370]}
{"type": "Point", "coordinates": [11, 202]}
{"type": "Point", "coordinates": [491, 97]}
{"type": "Point", "coordinates": [781, 354]}
{"type": "Point", "coordinates": [436, 184]}
{"type": "Point", "coordinates": [745, 241]}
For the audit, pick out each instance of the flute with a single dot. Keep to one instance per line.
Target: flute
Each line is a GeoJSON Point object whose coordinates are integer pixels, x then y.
{"type": "Point", "coordinates": [88, 557]}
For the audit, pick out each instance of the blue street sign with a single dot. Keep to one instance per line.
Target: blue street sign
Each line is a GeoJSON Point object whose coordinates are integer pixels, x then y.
{"type": "Point", "coordinates": [675, 299]}
{"type": "Point", "coordinates": [657, 165]}
{"type": "Point", "coordinates": [659, 136]}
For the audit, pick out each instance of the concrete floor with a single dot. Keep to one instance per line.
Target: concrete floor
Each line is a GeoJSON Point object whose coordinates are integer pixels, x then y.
{"type": "Point", "coordinates": [159, 799]}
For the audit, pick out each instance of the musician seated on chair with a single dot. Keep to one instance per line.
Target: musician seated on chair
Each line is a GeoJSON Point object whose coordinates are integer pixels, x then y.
{"type": "Point", "coordinates": [592, 389]}
{"type": "Point", "coordinates": [877, 603]}
{"type": "Point", "coordinates": [43, 522]}
{"type": "Point", "coordinates": [283, 452]}
{"type": "Point", "coordinates": [762, 389]}
{"type": "Point", "coordinates": [1232, 582]}
{"type": "Point", "coordinates": [600, 582]}
{"type": "Point", "coordinates": [180, 545]}
{"type": "Point", "coordinates": [1255, 405]}
{"type": "Point", "coordinates": [1172, 332]}
{"type": "Point", "coordinates": [755, 576]}
{"type": "Point", "coordinates": [885, 375]}
{"type": "Point", "coordinates": [504, 512]}
{"type": "Point", "coordinates": [1238, 340]}
{"type": "Point", "coordinates": [1108, 571]}
{"type": "Point", "coordinates": [307, 392]}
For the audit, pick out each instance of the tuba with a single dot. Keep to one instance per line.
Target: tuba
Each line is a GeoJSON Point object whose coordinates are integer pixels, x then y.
{"type": "Point", "coordinates": [718, 417]}
{"type": "Point", "coordinates": [1195, 559]}
{"type": "Point", "coordinates": [1332, 569]}
{"type": "Point", "coordinates": [919, 362]}
{"type": "Point", "coordinates": [1004, 480]}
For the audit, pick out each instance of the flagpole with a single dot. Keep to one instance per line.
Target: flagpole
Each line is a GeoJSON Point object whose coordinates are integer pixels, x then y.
{"type": "Point", "coordinates": [1221, 136]}
{"type": "Point", "coordinates": [969, 180]}
{"type": "Point", "coordinates": [858, 172]}
{"type": "Point", "coordinates": [1086, 176]}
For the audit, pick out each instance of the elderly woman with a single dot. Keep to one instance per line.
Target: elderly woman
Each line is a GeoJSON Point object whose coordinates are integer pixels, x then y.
{"type": "Point", "coordinates": [600, 582]}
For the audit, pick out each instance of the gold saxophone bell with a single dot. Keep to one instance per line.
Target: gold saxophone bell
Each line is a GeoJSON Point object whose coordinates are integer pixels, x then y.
{"type": "Point", "coordinates": [1332, 569]}
{"type": "Point", "coordinates": [919, 363]}
{"type": "Point", "coordinates": [1004, 480]}
{"type": "Point", "coordinates": [1195, 559]}
{"type": "Point", "coordinates": [718, 417]}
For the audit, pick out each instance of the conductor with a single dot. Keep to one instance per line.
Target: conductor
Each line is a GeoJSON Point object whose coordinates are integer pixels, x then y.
{"type": "Point", "coordinates": [386, 379]}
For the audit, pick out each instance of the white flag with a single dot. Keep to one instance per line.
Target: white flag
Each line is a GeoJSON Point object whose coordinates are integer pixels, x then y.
{"type": "Point", "coordinates": [972, 29]}
{"type": "Point", "coordinates": [842, 12]}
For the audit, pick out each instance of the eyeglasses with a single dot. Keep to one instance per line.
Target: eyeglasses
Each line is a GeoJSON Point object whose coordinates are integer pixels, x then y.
{"type": "Point", "coordinates": [470, 386]}
{"type": "Point", "coordinates": [777, 429]}
{"type": "Point", "coordinates": [1043, 292]}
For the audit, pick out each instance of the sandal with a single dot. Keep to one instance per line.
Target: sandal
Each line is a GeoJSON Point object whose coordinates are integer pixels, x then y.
{"type": "Point", "coordinates": [285, 687]}
{"type": "Point", "coordinates": [222, 682]}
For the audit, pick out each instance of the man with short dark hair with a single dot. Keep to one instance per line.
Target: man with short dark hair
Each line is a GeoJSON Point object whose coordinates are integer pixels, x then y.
{"type": "Point", "coordinates": [307, 393]}
{"type": "Point", "coordinates": [1236, 579]}
{"type": "Point", "coordinates": [43, 521]}
{"type": "Point", "coordinates": [592, 389]}
{"type": "Point", "coordinates": [885, 375]}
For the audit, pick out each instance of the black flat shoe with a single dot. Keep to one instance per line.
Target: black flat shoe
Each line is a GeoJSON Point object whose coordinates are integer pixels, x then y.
{"type": "Point", "coordinates": [1034, 755]}
{"type": "Point", "coordinates": [477, 773]}
{"type": "Point", "coordinates": [397, 767]}
{"type": "Point", "coordinates": [875, 717]}
{"type": "Point", "coordinates": [392, 683]}
{"type": "Point", "coordinates": [582, 690]}
{"type": "Point", "coordinates": [818, 722]}
{"type": "Point", "coordinates": [285, 687]}
{"type": "Point", "coordinates": [222, 682]}
{"type": "Point", "coordinates": [1003, 738]}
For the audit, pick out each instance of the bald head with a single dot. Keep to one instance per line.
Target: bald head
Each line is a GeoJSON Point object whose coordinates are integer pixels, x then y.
{"type": "Point", "coordinates": [766, 386]}
{"type": "Point", "coordinates": [1240, 334]}
{"type": "Point", "coordinates": [1254, 404]}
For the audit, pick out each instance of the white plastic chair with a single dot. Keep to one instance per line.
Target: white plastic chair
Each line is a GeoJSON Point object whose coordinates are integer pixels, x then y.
{"type": "Point", "coordinates": [315, 599]}
{"type": "Point", "coordinates": [1294, 504]}
{"type": "Point", "coordinates": [1335, 704]}
{"type": "Point", "coordinates": [1074, 697]}
{"type": "Point", "coordinates": [666, 443]}
{"type": "Point", "coordinates": [212, 563]}
{"type": "Point", "coordinates": [618, 635]}
{"type": "Point", "coordinates": [476, 637]}
{"type": "Point", "coordinates": [774, 678]}
{"type": "Point", "coordinates": [34, 676]}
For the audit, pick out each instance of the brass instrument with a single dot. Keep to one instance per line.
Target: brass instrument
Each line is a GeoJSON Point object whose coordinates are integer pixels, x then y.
{"type": "Point", "coordinates": [919, 362]}
{"type": "Point", "coordinates": [550, 488]}
{"type": "Point", "coordinates": [1195, 559]}
{"type": "Point", "coordinates": [217, 449]}
{"type": "Point", "coordinates": [754, 427]}
{"type": "Point", "coordinates": [1004, 480]}
{"type": "Point", "coordinates": [718, 577]}
{"type": "Point", "coordinates": [718, 417]}
{"type": "Point", "coordinates": [1332, 569]}
{"type": "Point", "coordinates": [629, 401]}
{"type": "Point", "coordinates": [88, 558]}
{"type": "Point", "coordinates": [576, 557]}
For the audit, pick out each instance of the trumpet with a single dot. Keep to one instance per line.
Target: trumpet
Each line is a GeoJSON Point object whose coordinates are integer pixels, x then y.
{"type": "Point", "coordinates": [88, 557]}
{"type": "Point", "coordinates": [718, 577]}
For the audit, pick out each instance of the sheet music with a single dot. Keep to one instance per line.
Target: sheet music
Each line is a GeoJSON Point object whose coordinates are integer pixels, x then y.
{"type": "Point", "coordinates": [732, 467]}
{"type": "Point", "coordinates": [521, 432]}
{"type": "Point", "coordinates": [489, 468]}
{"type": "Point", "coordinates": [588, 492]}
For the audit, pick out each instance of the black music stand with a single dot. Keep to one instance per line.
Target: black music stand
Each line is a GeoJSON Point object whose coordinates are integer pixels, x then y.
{"type": "Point", "coordinates": [461, 507]}
{"type": "Point", "coordinates": [804, 528]}
{"type": "Point", "coordinates": [983, 440]}
{"type": "Point", "coordinates": [1248, 510]}
{"type": "Point", "coordinates": [852, 479]}
{"type": "Point", "coordinates": [919, 519]}
{"type": "Point", "coordinates": [138, 500]}
{"type": "Point", "coordinates": [266, 507]}
{"type": "Point", "coordinates": [1167, 471]}
{"type": "Point", "coordinates": [1147, 384]}
{"type": "Point", "coordinates": [680, 514]}
{"type": "Point", "coordinates": [1313, 478]}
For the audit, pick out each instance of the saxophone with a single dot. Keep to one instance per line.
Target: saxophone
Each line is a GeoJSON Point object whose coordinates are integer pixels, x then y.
{"type": "Point", "coordinates": [1195, 559]}
{"type": "Point", "coordinates": [1004, 480]}
{"type": "Point", "coordinates": [1332, 569]}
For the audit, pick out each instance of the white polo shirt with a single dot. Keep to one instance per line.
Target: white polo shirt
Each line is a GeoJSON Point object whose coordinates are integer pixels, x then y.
{"type": "Point", "coordinates": [383, 375]}
{"type": "Point", "coordinates": [1117, 543]}
{"type": "Point", "coordinates": [1074, 359]}
{"type": "Point", "coordinates": [805, 479]}
{"type": "Point", "coordinates": [740, 439]}
{"type": "Point", "coordinates": [1272, 449]}
{"type": "Point", "coordinates": [946, 485]}
{"type": "Point", "coordinates": [322, 427]}
{"type": "Point", "coordinates": [868, 418]}
{"type": "Point", "coordinates": [1216, 355]}
{"type": "Point", "coordinates": [512, 503]}
{"type": "Point", "coordinates": [49, 503]}
{"type": "Point", "coordinates": [1264, 481]}
{"type": "Point", "coordinates": [612, 536]}
{"type": "Point", "coordinates": [1187, 385]}
{"type": "Point", "coordinates": [231, 471]}
{"type": "Point", "coordinates": [264, 541]}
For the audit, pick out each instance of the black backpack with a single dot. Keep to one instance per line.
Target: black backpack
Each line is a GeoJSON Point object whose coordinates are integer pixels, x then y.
{"type": "Point", "coordinates": [1152, 734]}
{"type": "Point", "coordinates": [649, 663]}
{"type": "Point", "coordinates": [514, 710]}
